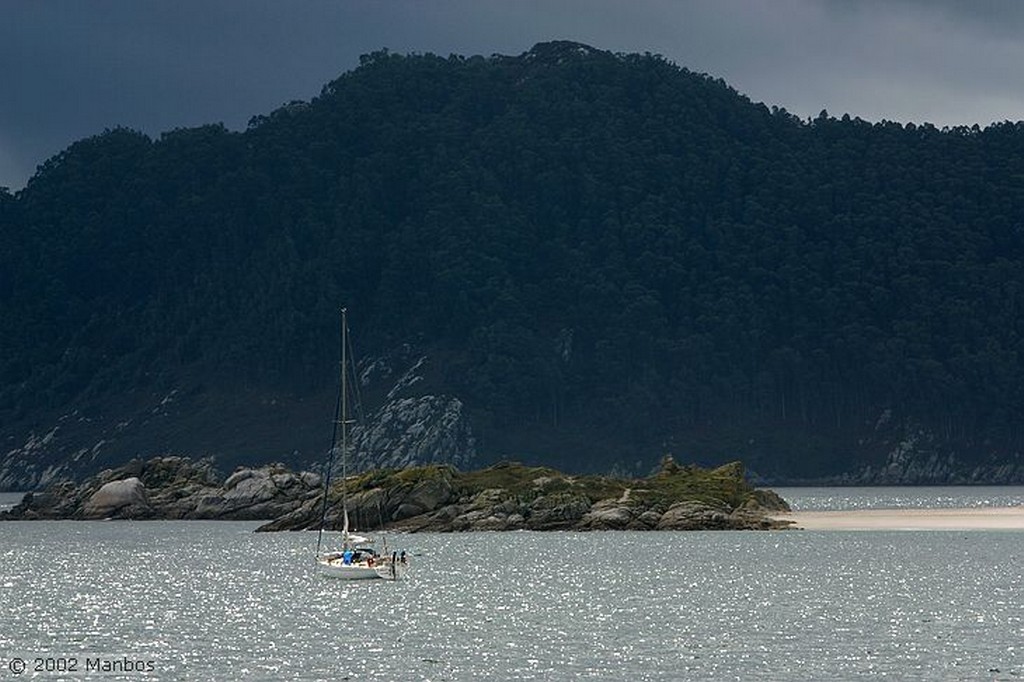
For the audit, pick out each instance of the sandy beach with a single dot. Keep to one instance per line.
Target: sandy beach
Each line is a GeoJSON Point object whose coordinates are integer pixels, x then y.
{"type": "Point", "coordinates": [976, 518]}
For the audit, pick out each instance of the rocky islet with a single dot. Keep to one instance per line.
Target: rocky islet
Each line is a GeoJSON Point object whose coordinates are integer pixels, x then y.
{"type": "Point", "coordinates": [438, 498]}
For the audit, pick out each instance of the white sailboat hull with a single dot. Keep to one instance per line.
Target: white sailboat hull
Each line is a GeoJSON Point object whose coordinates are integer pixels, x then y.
{"type": "Point", "coordinates": [335, 568]}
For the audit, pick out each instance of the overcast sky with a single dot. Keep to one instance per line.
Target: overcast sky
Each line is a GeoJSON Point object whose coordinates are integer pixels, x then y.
{"type": "Point", "coordinates": [73, 67]}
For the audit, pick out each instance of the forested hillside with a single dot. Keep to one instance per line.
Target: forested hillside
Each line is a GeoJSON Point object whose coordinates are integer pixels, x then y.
{"type": "Point", "coordinates": [605, 257]}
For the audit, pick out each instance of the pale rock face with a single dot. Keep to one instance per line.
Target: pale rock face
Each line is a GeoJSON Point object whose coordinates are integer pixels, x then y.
{"type": "Point", "coordinates": [412, 427]}
{"type": "Point", "coordinates": [20, 468]}
{"type": "Point", "coordinates": [115, 496]}
{"type": "Point", "coordinates": [414, 431]}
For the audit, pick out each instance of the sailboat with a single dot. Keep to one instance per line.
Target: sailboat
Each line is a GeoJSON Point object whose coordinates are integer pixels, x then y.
{"type": "Point", "coordinates": [357, 559]}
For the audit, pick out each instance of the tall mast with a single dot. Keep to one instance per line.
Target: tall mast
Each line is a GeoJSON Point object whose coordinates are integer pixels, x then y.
{"type": "Point", "coordinates": [344, 421]}
{"type": "Point", "coordinates": [339, 420]}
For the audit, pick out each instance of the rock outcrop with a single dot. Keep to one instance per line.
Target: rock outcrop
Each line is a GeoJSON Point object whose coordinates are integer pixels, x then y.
{"type": "Point", "coordinates": [172, 488]}
{"type": "Point", "coordinates": [513, 497]}
{"type": "Point", "coordinates": [431, 498]}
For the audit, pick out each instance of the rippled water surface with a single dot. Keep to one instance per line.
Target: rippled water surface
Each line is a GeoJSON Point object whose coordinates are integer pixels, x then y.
{"type": "Point", "coordinates": [213, 600]}
{"type": "Point", "coordinates": [902, 497]}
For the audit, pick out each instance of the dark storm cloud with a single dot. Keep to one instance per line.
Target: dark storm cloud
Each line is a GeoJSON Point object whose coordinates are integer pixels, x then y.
{"type": "Point", "coordinates": [73, 68]}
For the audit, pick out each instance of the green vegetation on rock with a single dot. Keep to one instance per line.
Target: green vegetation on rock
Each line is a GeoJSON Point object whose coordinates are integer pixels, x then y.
{"type": "Point", "coordinates": [511, 496]}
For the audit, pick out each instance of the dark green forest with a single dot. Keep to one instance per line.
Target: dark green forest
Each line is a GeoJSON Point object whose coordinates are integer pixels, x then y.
{"type": "Point", "coordinates": [608, 257]}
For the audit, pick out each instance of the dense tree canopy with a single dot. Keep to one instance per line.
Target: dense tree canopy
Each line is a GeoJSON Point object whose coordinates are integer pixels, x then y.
{"type": "Point", "coordinates": [609, 254]}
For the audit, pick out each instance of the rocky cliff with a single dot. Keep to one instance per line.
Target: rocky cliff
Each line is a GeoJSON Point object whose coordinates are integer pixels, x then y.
{"type": "Point", "coordinates": [410, 427]}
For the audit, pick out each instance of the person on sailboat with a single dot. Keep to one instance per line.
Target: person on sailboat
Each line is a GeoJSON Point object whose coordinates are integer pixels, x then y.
{"type": "Point", "coordinates": [346, 558]}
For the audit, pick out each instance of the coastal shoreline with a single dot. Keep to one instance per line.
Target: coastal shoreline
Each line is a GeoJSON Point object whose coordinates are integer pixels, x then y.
{"type": "Point", "coordinates": [974, 518]}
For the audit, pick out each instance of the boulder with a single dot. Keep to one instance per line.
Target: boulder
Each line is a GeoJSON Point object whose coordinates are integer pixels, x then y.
{"type": "Point", "coordinates": [647, 520]}
{"type": "Point", "coordinates": [607, 515]}
{"type": "Point", "coordinates": [693, 515]}
{"type": "Point", "coordinates": [479, 519]}
{"type": "Point", "coordinates": [490, 522]}
{"type": "Point", "coordinates": [269, 492]}
{"type": "Point", "coordinates": [557, 511]}
{"type": "Point", "coordinates": [237, 477]}
{"type": "Point", "coordinates": [124, 499]}
{"type": "Point", "coordinates": [251, 490]}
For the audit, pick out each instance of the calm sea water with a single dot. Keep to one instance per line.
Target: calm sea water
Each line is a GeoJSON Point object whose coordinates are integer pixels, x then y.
{"type": "Point", "coordinates": [215, 601]}
{"type": "Point", "coordinates": [901, 497]}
